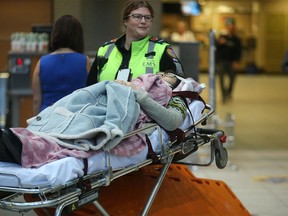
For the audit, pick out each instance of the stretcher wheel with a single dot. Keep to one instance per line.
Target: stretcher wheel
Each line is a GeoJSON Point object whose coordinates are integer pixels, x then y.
{"type": "Point", "coordinates": [221, 162]}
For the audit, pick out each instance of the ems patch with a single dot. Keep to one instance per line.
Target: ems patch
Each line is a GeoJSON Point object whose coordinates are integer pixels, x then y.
{"type": "Point", "coordinates": [149, 63]}
{"type": "Point", "coordinates": [153, 39]}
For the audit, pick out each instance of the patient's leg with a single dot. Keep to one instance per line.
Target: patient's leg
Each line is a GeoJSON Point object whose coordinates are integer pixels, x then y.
{"type": "Point", "coordinates": [12, 144]}
{"type": "Point", "coordinates": [5, 155]}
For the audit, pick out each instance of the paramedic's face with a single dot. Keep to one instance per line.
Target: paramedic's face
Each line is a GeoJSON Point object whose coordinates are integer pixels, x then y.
{"type": "Point", "coordinates": [138, 23]}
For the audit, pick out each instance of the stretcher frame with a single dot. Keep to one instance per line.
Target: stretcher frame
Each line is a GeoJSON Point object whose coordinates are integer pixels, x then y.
{"type": "Point", "coordinates": [84, 190]}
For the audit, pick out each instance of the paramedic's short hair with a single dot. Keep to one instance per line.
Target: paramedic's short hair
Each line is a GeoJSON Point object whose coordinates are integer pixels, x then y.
{"type": "Point", "coordinates": [134, 5]}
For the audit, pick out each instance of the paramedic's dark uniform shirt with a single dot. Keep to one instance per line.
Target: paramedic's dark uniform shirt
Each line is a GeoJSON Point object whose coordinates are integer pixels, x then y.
{"type": "Point", "coordinates": [166, 63]}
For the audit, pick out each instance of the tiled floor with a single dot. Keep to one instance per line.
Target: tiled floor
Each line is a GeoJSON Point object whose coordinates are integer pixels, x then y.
{"type": "Point", "coordinates": [257, 171]}
{"type": "Point", "coordinates": [258, 178]}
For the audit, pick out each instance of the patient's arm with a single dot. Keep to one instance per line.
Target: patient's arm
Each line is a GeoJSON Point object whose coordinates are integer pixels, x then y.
{"type": "Point", "coordinates": [169, 118]}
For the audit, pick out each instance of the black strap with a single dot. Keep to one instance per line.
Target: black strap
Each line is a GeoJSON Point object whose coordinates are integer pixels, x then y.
{"type": "Point", "coordinates": [85, 169]}
{"type": "Point", "coordinates": [151, 154]}
{"type": "Point", "coordinates": [177, 134]}
{"type": "Point", "coordinates": [186, 94]}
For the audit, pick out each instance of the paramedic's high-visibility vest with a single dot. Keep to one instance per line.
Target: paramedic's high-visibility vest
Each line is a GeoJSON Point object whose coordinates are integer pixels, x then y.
{"type": "Point", "coordinates": [151, 48]}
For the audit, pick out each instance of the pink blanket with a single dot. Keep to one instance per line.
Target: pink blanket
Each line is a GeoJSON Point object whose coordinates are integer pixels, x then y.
{"type": "Point", "coordinates": [37, 150]}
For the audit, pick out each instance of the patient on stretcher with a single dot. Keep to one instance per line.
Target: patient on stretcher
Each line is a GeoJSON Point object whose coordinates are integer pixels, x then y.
{"type": "Point", "coordinates": [96, 118]}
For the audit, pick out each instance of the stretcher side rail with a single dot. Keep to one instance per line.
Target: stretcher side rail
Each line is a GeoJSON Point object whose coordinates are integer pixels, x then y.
{"type": "Point", "coordinates": [46, 189]}
{"type": "Point", "coordinates": [201, 136]}
{"type": "Point", "coordinates": [207, 113]}
{"type": "Point", "coordinates": [189, 133]}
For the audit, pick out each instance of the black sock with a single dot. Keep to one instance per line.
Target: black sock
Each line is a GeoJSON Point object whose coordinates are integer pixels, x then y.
{"type": "Point", "coordinates": [12, 144]}
{"type": "Point", "coordinates": [5, 155]}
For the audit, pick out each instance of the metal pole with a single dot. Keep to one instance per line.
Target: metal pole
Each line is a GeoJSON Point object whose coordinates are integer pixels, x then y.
{"type": "Point", "coordinates": [229, 121]}
{"type": "Point", "coordinates": [212, 94]}
{"type": "Point", "coordinates": [3, 99]}
{"type": "Point", "coordinates": [212, 49]}
{"type": "Point", "coordinates": [156, 188]}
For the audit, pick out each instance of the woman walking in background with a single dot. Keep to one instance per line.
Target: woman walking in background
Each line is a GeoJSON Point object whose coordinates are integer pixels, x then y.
{"type": "Point", "coordinates": [65, 69]}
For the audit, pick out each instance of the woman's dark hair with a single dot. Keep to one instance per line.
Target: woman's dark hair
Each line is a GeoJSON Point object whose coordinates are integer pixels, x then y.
{"type": "Point", "coordinates": [67, 32]}
{"type": "Point", "coordinates": [177, 81]}
{"type": "Point", "coordinates": [134, 5]}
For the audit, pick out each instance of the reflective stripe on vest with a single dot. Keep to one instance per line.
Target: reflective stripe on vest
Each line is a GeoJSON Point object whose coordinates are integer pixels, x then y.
{"type": "Point", "coordinates": [151, 47]}
{"type": "Point", "coordinates": [109, 50]}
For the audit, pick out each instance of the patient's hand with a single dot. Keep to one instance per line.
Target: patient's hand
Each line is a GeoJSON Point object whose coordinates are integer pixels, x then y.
{"type": "Point", "coordinates": [129, 84]}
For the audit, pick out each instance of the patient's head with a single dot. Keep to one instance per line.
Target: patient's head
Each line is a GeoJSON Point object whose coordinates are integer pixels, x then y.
{"type": "Point", "coordinates": [171, 78]}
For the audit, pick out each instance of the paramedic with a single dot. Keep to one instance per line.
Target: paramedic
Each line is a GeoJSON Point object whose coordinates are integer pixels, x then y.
{"type": "Point", "coordinates": [228, 55]}
{"type": "Point", "coordinates": [65, 69]}
{"type": "Point", "coordinates": [136, 50]}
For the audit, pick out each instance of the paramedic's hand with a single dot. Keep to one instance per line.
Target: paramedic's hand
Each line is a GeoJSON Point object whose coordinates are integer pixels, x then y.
{"type": "Point", "coordinates": [129, 84]}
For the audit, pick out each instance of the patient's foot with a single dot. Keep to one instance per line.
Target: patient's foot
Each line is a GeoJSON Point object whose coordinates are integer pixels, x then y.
{"type": "Point", "coordinates": [13, 144]}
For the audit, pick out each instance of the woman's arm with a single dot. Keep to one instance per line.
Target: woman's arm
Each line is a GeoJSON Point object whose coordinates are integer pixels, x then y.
{"type": "Point", "coordinates": [36, 89]}
{"type": "Point", "coordinates": [170, 117]}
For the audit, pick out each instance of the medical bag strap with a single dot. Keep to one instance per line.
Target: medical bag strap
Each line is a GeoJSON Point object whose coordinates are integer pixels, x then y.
{"type": "Point", "coordinates": [150, 55]}
{"type": "Point", "coordinates": [84, 185]}
{"type": "Point", "coordinates": [151, 154]}
{"type": "Point", "coordinates": [85, 169]}
{"type": "Point", "coordinates": [177, 134]}
{"type": "Point", "coordinates": [109, 50]}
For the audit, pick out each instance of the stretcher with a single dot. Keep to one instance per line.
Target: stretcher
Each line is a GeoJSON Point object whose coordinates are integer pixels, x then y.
{"type": "Point", "coordinates": [70, 183]}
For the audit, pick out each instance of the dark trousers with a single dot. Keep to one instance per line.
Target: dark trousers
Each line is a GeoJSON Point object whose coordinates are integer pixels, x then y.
{"type": "Point", "coordinates": [227, 77]}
